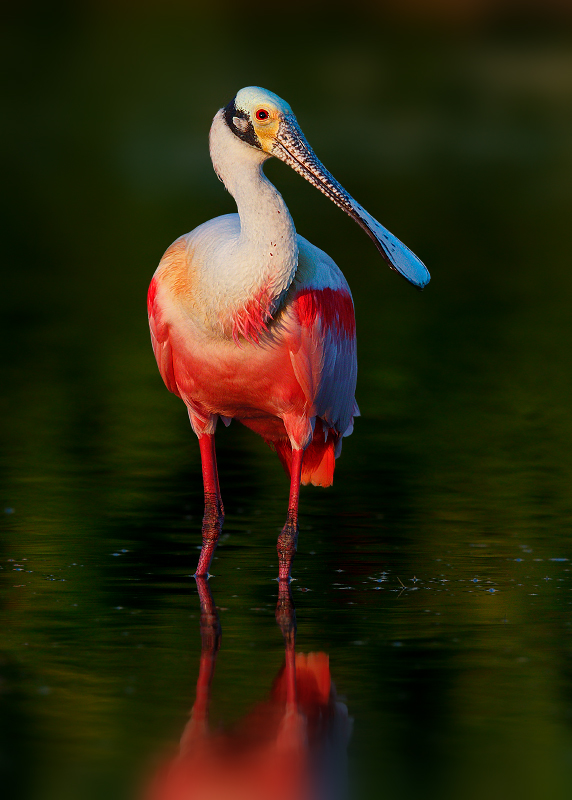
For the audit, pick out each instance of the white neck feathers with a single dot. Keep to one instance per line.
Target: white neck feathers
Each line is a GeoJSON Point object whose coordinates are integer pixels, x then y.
{"type": "Point", "coordinates": [253, 270]}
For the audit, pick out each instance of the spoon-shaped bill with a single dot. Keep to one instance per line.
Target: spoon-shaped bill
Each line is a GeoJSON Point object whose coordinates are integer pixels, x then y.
{"type": "Point", "coordinates": [290, 146]}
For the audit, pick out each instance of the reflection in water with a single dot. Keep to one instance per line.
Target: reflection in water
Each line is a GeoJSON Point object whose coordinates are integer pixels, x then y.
{"type": "Point", "coordinates": [290, 747]}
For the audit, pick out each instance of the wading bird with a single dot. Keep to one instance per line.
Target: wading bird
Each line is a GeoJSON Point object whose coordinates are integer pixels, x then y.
{"type": "Point", "coordinates": [250, 321]}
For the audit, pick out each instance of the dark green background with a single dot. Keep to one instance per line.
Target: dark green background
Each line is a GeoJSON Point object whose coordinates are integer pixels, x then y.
{"type": "Point", "coordinates": [453, 125]}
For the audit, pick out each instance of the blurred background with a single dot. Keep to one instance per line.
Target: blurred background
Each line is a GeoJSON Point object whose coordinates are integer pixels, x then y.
{"type": "Point", "coordinates": [436, 572]}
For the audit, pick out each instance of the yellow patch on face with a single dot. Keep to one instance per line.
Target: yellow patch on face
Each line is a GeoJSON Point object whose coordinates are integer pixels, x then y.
{"type": "Point", "coordinates": [266, 130]}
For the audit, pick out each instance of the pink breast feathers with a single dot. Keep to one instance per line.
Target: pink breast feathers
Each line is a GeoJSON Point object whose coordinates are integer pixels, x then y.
{"type": "Point", "coordinates": [251, 321]}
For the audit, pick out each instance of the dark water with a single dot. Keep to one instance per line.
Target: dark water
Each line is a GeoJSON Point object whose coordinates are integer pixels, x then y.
{"type": "Point", "coordinates": [436, 573]}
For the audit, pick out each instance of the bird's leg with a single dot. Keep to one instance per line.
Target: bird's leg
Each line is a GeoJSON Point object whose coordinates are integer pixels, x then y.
{"type": "Point", "coordinates": [289, 535]}
{"type": "Point", "coordinates": [214, 510]}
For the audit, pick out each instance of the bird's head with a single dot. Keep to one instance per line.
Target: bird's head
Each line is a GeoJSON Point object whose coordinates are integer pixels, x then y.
{"type": "Point", "coordinates": [255, 116]}
{"type": "Point", "coordinates": [263, 120]}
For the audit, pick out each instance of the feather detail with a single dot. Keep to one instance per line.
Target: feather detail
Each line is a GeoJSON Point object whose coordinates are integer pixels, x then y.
{"type": "Point", "coordinates": [333, 308]}
{"type": "Point", "coordinates": [324, 354]}
{"type": "Point", "coordinates": [254, 317]}
{"type": "Point", "coordinates": [160, 339]}
{"type": "Point", "coordinates": [319, 457]}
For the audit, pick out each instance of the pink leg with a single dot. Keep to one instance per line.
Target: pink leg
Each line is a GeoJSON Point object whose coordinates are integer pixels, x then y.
{"type": "Point", "coordinates": [214, 510]}
{"type": "Point", "coordinates": [289, 535]}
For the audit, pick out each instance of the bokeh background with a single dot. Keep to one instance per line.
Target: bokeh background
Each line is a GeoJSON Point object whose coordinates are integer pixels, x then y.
{"type": "Point", "coordinates": [436, 572]}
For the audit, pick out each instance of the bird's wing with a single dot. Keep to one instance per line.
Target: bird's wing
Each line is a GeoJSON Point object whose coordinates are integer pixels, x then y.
{"type": "Point", "coordinates": [323, 344]}
{"type": "Point", "coordinates": [160, 340]}
{"type": "Point", "coordinates": [172, 263]}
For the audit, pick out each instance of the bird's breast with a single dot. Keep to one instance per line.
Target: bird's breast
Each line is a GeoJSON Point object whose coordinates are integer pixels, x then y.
{"type": "Point", "coordinates": [241, 380]}
{"type": "Point", "coordinates": [230, 288]}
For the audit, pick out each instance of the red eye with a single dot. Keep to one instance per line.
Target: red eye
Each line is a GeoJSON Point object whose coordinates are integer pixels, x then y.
{"type": "Point", "coordinates": [262, 114]}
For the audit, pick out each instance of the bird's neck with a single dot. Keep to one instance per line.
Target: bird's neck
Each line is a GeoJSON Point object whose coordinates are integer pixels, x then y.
{"type": "Point", "coordinates": [261, 263]}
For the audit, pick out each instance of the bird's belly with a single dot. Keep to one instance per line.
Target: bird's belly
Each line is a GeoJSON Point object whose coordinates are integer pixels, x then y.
{"type": "Point", "coordinates": [250, 382]}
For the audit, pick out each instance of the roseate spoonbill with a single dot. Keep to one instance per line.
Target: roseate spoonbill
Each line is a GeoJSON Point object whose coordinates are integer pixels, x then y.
{"type": "Point", "coordinates": [291, 746]}
{"type": "Point", "coordinates": [250, 321]}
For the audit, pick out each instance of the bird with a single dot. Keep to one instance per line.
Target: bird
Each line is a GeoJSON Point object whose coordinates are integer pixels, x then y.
{"type": "Point", "coordinates": [250, 321]}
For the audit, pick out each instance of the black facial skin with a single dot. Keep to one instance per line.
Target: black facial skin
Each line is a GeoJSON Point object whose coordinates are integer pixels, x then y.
{"type": "Point", "coordinates": [247, 135]}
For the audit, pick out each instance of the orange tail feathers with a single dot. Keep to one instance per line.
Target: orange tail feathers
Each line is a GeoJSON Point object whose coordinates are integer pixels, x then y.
{"type": "Point", "coordinates": [319, 457]}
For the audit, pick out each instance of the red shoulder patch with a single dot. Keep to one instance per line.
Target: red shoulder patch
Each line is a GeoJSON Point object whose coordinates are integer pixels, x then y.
{"type": "Point", "coordinates": [332, 307]}
{"type": "Point", "coordinates": [160, 340]}
{"type": "Point", "coordinates": [151, 294]}
{"type": "Point", "coordinates": [159, 329]}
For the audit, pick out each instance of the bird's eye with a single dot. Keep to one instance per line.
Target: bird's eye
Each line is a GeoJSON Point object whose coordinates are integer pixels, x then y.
{"type": "Point", "coordinates": [262, 114]}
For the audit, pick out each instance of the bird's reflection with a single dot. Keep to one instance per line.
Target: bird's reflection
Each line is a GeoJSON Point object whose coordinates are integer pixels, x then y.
{"type": "Point", "coordinates": [289, 747]}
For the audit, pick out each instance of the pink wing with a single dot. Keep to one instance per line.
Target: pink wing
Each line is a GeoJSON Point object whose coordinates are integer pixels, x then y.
{"type": "Point", "coordinates": [323, 353]}
{"type": "Point", "coordinates": [160, 339]}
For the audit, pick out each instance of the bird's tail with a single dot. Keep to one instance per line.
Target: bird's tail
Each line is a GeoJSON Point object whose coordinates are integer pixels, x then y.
{"type": "Point", "coordinates": [319, 457]}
